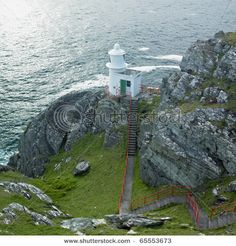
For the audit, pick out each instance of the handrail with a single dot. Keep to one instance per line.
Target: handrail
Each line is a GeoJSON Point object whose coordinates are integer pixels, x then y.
{"type": "Point", "coordinates": [194, 206]}
{"type": "Point", "coordinates": [222, 208]}
{"type": "Point", "coordinates": [163, 193]}
{"type": "Point", "coordinates": [127, 153]}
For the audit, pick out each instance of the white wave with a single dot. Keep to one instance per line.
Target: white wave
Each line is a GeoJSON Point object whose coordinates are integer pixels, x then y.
{"type": "Point", "coordinates": [152, 11]}
{"type": "Point", "coordinates": [144, 49]}
{"type": "Point", "coordinates": [148, 69]}
{"type": "Point", "coordinates": [166, 57]}
{"type": "Point", "coordinates": [101, 81]}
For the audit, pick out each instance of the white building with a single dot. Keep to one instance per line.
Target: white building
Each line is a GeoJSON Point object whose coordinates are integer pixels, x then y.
{"type": "Point", "coordinates": [122, 80]}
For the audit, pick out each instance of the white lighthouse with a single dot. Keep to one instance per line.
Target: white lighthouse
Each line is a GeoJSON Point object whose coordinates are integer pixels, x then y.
{"type": "Point", "coordinates": [123, 81]}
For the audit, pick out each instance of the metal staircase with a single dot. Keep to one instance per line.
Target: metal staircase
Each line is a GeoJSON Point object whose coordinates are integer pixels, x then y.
{"type": "Point", "coordinates": [132, 143]}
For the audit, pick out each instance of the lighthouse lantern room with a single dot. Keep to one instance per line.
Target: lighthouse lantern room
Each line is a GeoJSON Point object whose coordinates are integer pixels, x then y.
{"type": "Point", "coordinates": [123, 80]}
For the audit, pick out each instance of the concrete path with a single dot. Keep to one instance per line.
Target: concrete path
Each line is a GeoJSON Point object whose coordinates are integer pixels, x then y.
{"type": "Point", "coordinates": [127, 195]}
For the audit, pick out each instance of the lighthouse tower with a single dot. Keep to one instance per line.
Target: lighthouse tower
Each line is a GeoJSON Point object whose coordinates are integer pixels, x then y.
{"type": "Point", "coordinates": [116, 66]}
{"type": "Point", "coordinates": [123, 81]}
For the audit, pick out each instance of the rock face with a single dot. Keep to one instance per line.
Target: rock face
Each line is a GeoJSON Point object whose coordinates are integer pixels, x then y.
{"type": "Point", "coordinates": [190, 146]}
{"type": "Point", "coordinates": [203, 56]}
{"type": "Point", "coordinates": [82, 168]}
{"type": "Point", "coordinates": [65, 121]}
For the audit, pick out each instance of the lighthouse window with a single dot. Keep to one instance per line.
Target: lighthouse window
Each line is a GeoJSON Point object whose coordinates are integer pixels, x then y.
{"type": "Point", "coordinates": [128, 84]}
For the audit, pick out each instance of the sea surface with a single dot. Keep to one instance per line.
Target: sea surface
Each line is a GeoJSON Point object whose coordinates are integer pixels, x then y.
{"type": "Point", "coordinates": [51, 47]}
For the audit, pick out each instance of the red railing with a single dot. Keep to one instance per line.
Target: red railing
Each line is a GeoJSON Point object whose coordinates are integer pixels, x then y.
{"type": "Point", "coordinates": [223, 208]}
{"type": "Point", "coordinates": [126, 165]}
{"type": "Point", "coordinates": [194, 206]}
{"type": "Point", "coordinates": [161, 194]}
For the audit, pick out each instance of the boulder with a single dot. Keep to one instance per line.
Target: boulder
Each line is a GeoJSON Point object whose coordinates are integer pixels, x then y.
{"type": "Point", "coordinates": [77, 224]}
{"type": "Point", "coordinates": [131, 220]}
{"type": "Point", "coordinates": [142, 222]}
{"type": "Point", "coordinates": [82, 168]}
{"type": "Point", "coordinates": [232, 186]}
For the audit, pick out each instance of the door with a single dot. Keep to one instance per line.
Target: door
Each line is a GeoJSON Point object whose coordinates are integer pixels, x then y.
{"type": "Point", "coordinates": [123, 87]}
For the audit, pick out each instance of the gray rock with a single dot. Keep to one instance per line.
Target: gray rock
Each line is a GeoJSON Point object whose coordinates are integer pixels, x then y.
{"type": "Point", "coordinates": [142, 222]}
{"type": "Point", "coordinates": [55, 212]}
{"type": "Point", "coordinates": [232, 186]}
{"type": "Point", "coordinates": [77, 224]}
{"type": "Point", "coordinates": [82, 168]}
{"type": "Point", "coordinates": [187, 149]}
{"type": "Point", "coordinates": [227, 66]}
{"type": "Point", "coordinates": [216, 191]}
{"type": "Point", "coordinates": [214, 95]}
{"type": "Point", "coordinates": [4, 168]}
{"type": "Point", "coordinates": [199, 58]}
{"type": "Point", "coordinates": [220, 199]}
{"type": "Point", "coordinates": [112, 138]}
{"type": "Point", "coordinates": [23, 187]}
{"type": "Point", "coordinates": [222, 97]}
{"type": "Point", "coordinates": [175, 87]}
{"type": "Point", "coordinates": [131, 220]}
{"type": "Point", "coordinates": [10, 214]}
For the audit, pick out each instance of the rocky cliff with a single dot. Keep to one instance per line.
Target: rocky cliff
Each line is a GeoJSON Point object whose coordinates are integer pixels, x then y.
{"type": "Point", "coordinates": [192, 137]}
{"type": "Point", "coordinates": [65, 121]}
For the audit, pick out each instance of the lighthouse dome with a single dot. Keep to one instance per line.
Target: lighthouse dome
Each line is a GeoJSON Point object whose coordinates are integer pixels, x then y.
{"type": "Point", "coordinates": [116, 51]}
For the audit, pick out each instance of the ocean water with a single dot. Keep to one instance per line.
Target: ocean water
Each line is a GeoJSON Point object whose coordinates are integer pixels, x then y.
{"type": "Point", "coordinates": [51, 47]}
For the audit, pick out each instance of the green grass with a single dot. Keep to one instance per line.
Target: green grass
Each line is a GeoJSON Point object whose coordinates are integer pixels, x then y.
{"type": "Point", "coordinates": [231, 38]}
{"type": "Point", "coordinates": [93, 195]}
{"type": "Point", "coordinates": [97, 193]}
{"type": "Point", "coordinates": [146, 106]}
{"type": "Point", "coordinates": [205, 196]}
{"type": "Point", "coordinates": [219, 124]}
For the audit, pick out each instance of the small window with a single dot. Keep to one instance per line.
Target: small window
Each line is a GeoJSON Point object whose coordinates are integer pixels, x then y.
{"type": "Point", "coordinates": [128, 84]}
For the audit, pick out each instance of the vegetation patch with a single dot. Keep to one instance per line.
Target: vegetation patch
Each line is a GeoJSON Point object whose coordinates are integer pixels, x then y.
{"type": "Point", "coordinates": [148, 106]}
{"type": "Point", "coordinates": [231, 38]}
